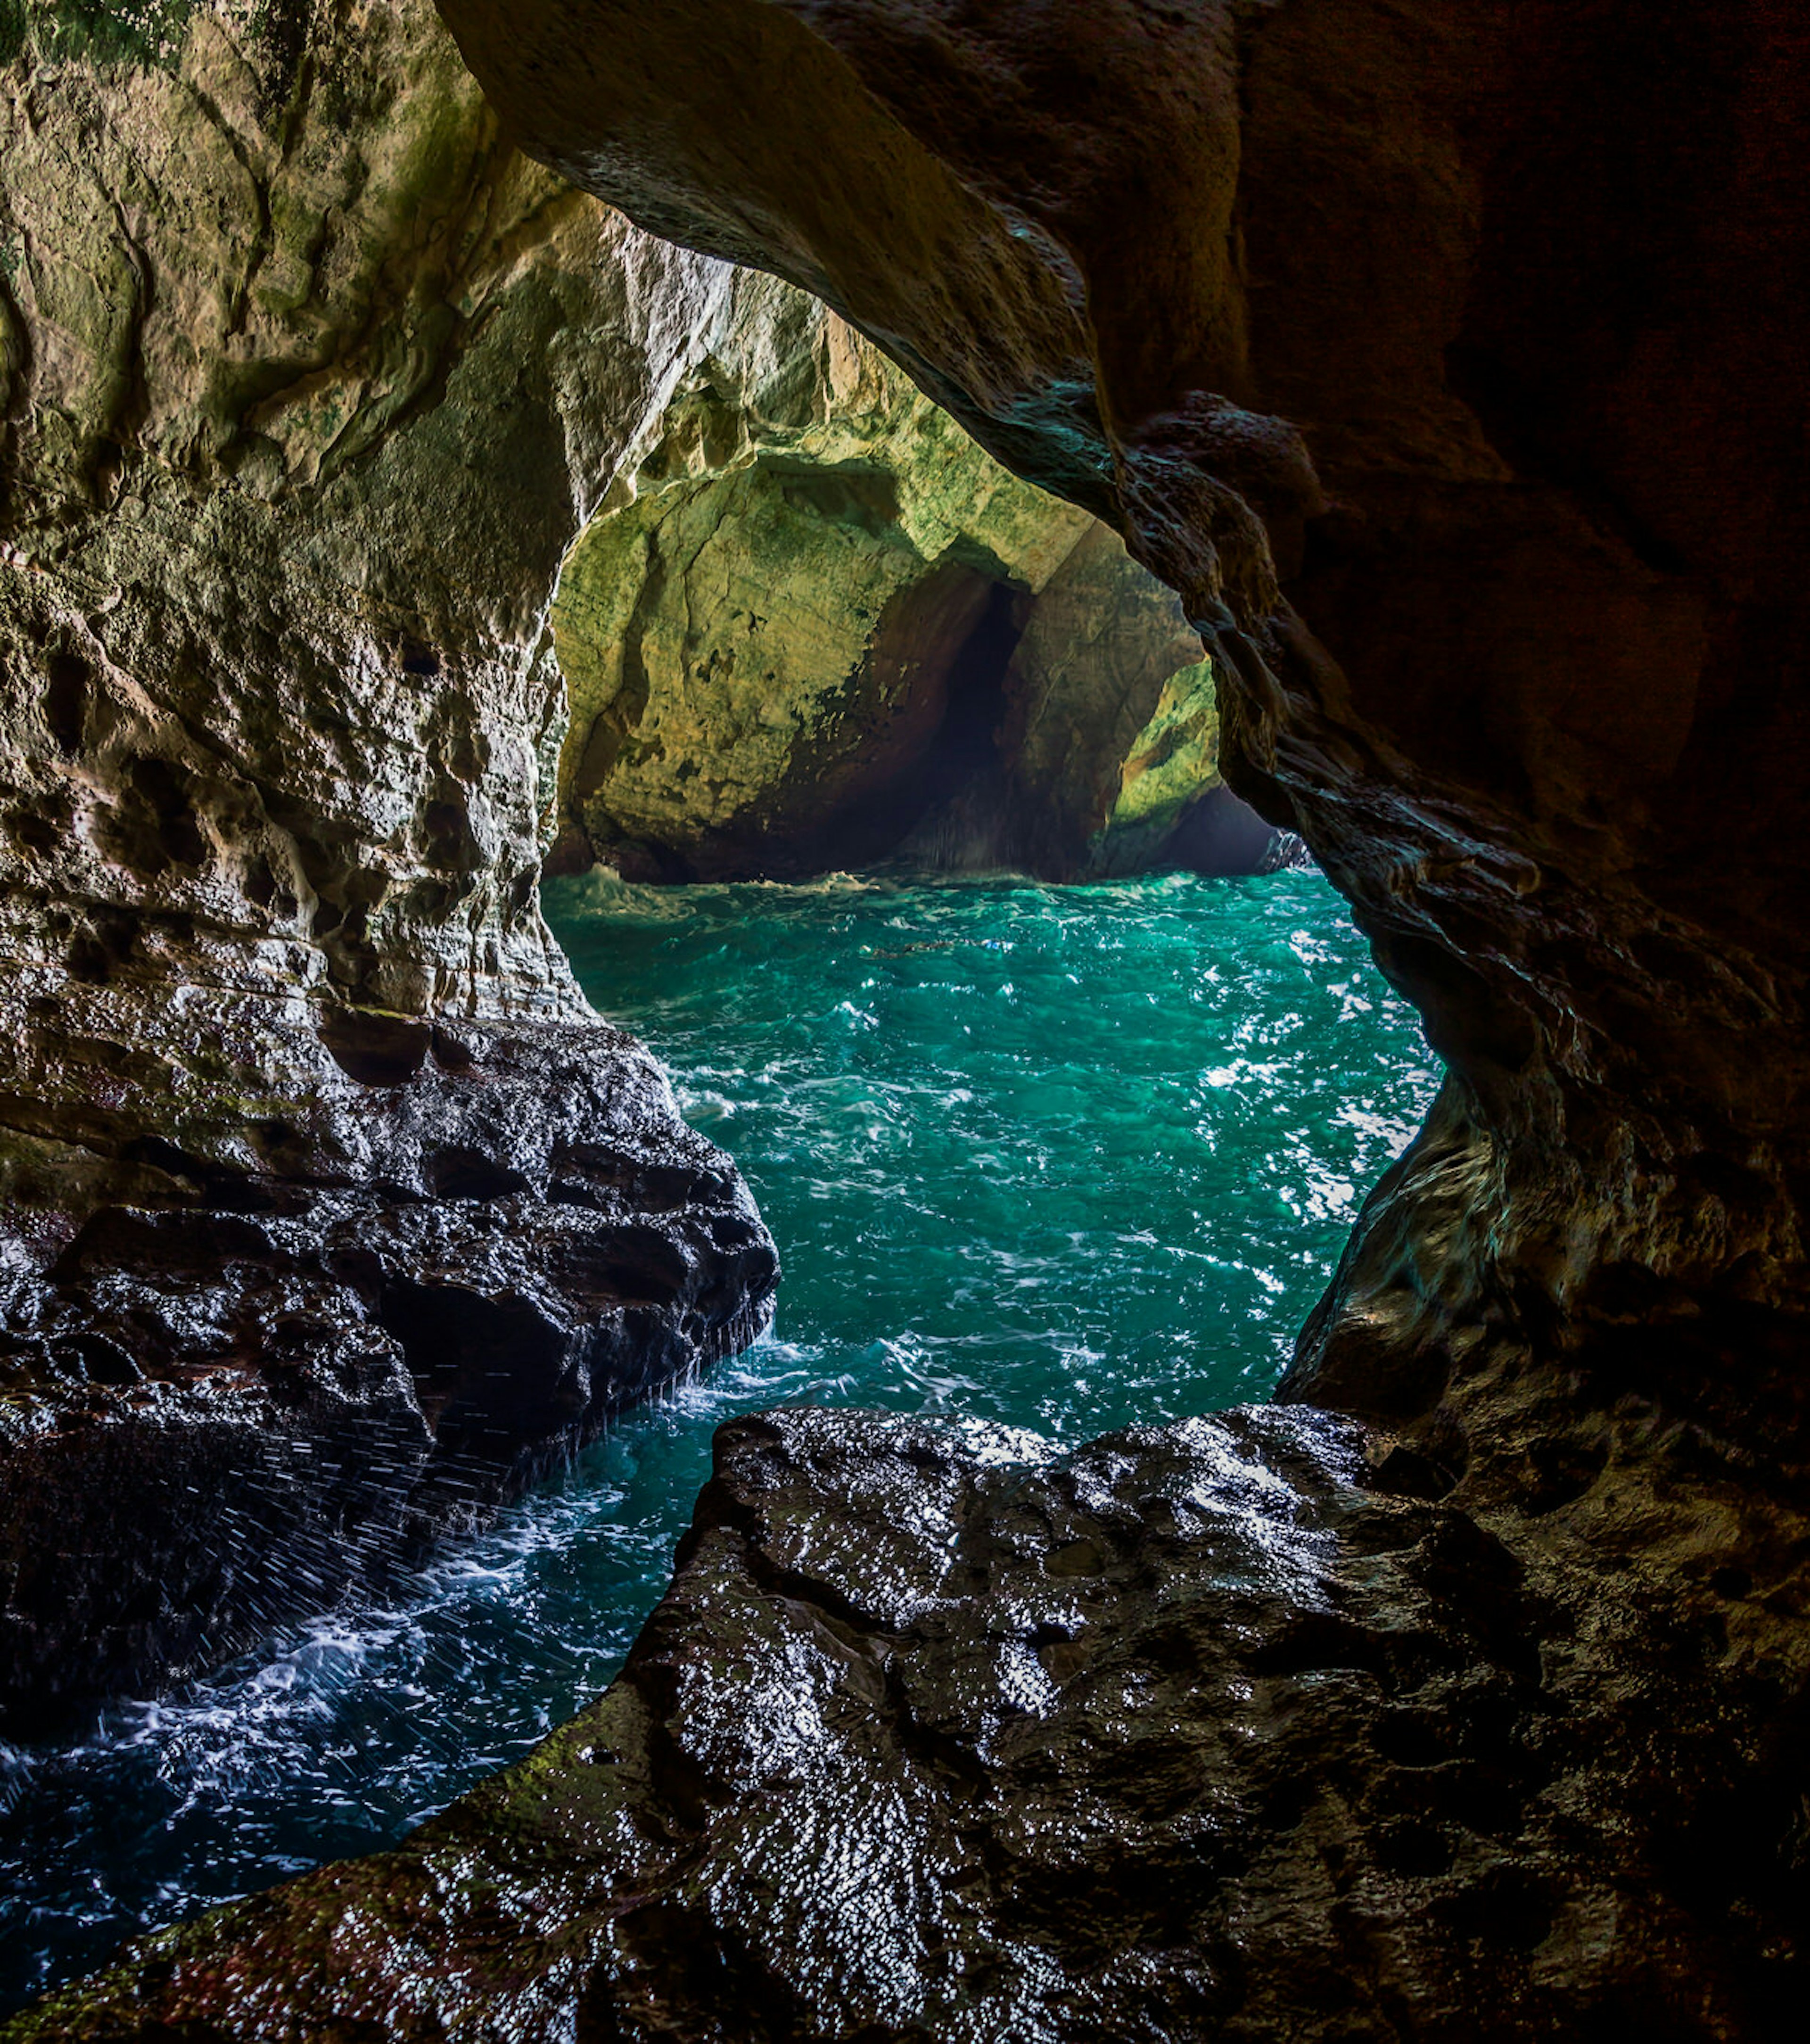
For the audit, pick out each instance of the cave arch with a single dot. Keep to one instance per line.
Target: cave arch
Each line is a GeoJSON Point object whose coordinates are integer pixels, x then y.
{"type": "Point", "coordinates": [1469, 335]}
{"type": "Point", "coordinates": [817, 625]}
{"type": "Point", "coordinates": [1104, 240]}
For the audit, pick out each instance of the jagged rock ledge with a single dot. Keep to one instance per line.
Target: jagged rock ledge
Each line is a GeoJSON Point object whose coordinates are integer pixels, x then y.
{"type": "Point", "coordinates": [1238, 1727]}
{"type": "Point", "coordinates": [282, 1378]}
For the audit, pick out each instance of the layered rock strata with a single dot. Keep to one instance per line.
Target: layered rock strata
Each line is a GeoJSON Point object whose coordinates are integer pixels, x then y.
{"type": "Point", "coordinates": [331, 1212]}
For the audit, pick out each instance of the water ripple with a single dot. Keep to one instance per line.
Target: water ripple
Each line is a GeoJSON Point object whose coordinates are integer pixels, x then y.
{"type": "Point", "coordinates": [1060, 1158]}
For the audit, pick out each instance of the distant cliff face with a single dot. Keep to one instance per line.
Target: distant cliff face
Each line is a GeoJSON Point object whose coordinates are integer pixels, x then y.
{"type": "Point", "coordinates": [820, 623]}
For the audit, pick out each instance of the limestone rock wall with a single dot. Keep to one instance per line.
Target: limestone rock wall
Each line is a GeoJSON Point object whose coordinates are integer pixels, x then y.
{"type": "Point", "coordinates": [1372, 324]}
{"type": "Point", "coordinates": [1448, 359]}
{"type": "Point", "coordinates": [819, 621]}
{"type": "Point", "coordinates": [309, 378]}
{"type": "Point", "coordinates": [307, 381]}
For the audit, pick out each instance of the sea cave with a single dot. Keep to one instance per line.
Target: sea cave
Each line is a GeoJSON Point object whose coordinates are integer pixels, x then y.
{"type": "Point", "coordinates": [901, 1133]}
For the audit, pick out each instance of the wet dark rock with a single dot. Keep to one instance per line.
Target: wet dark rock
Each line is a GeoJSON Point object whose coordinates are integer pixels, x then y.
{"type": "Point", "coordinates": [1471, 336]}
{"type": "Point", "coordinates": [1225, 1728]}
{"type": "Point", "coordinates": [329, 1212]}
{"type": "Point", "coordinates": [275, 1384]}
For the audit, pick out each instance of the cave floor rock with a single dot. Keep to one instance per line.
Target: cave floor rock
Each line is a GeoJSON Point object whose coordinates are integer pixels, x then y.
{"type": "Point", "coordinates": [1234, 1727]}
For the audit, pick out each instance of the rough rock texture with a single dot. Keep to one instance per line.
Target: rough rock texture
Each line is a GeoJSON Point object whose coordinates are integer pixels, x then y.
{"type": "Point", "coordinates": [460, 1262]}
{"type": "Point", "coordinates": [820, 621]}
{"type": "Point", "coordinates": [307, 382]}
{"type": "Point", "coordinates": [1388, 315]}
{"type": "Point", "coordinates": [1471, 335]}
{"type": "Point", "coordinates": [1226, 1729]}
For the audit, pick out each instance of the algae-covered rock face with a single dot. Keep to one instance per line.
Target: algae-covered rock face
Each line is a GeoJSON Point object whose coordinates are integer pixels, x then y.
{"type": "Point", "coordinates": [307, 381]}
{"type": "Point", "coordinates": [821, 620]}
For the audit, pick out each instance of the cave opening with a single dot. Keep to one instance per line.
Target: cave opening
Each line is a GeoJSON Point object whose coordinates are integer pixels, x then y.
{"type": "Point", "coordinates": [802, 637]}
{"type": "Point", "coordinates": [1059, 1096]}
{"type": "Point", "coordinates": [1054, 1159]}
{"type": "Point", "coordinates": [1450, 367]}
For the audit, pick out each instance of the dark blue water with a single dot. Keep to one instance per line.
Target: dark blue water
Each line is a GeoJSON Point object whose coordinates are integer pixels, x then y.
{"type": "Point", "coordinates": [1065, 1157]}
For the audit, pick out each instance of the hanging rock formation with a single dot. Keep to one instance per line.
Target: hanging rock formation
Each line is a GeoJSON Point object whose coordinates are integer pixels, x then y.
{"type": "Point", "coordinates": [1376, 317]}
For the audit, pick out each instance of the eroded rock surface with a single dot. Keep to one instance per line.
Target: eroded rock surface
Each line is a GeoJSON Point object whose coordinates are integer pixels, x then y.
{"type": "Point", "coordinates": [1473, 337]}
{"type": "Point", "coordinates": [1447, 360]}
{"type": "Point", "coordinates": [308, 381]}
{"type": "Point", "coordinates": [441, 1278]}
{"type": "Point", "coordinates": [1232, 1728]}
{"type": "Point", "coordinates": [819, 623]}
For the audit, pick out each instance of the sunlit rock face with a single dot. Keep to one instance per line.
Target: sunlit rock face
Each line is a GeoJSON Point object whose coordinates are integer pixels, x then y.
{"type": "Point", "coordinates": [820, 624]}
{"type": "Point", "coordinates": [308, 381]}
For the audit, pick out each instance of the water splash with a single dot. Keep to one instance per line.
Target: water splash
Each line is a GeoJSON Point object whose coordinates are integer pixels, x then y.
{"type": "Point", "coordinates": [1058, 1157]}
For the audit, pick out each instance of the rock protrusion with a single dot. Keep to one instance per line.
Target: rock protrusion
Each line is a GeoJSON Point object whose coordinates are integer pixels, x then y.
{"type": "Point", "coordinates": [1233, 1727]}
{"type": "Point", "coordinates": [275, 1384]}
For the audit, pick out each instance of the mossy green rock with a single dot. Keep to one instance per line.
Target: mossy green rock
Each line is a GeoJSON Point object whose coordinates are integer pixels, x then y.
{"type": "Point", "coordinates": [815, 579]}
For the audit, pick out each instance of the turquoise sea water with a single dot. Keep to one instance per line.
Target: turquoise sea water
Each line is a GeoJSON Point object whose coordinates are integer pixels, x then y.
{"type": "Point", "coordinates": [1064, 1157]}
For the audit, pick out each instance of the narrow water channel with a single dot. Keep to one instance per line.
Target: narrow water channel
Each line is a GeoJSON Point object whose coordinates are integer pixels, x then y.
{"type": "Point", "coordinates": [1067, 1158]}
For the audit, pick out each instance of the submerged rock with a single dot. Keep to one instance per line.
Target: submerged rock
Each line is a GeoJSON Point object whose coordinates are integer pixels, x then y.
{"type": "Point", "coordinates": [1236, 1727]}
